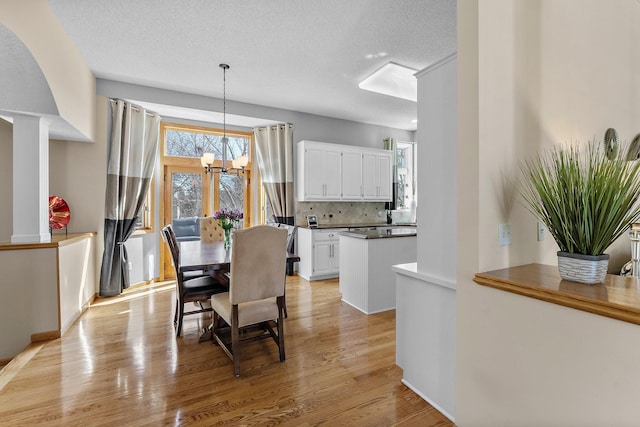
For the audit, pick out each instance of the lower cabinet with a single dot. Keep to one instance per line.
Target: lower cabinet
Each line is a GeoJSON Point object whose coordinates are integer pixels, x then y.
{"type": "Point", "coordinates": [319, 252]}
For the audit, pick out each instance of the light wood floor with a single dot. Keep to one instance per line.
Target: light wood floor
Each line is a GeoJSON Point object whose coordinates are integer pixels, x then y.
{"type": "Point", "coordinates": [121, 364]}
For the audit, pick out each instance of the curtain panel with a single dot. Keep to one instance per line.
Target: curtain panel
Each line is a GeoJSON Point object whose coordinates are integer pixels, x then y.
{"type": "Point", "coordinates": [133, 150]}
{"type": "Point", "coordinates": [274, 152]}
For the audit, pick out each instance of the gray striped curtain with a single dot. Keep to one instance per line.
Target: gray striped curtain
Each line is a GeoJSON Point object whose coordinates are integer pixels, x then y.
{"type": "Point", "coordinates": [133, 150]}
{"type": "Point", "coordinates": [274, 149]}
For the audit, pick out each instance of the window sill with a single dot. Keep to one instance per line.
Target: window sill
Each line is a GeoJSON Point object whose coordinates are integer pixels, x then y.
{"type": "Point", "coordinates": [142, 232]}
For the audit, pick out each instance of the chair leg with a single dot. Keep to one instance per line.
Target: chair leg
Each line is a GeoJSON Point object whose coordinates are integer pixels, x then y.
{"type": "Point", "coordinates": [180, 316]}
{"type": "Point", "coordinates": [281, 329]}
{"type": "Point", "coordinates": [284, 303]}
{"type": "Point", "coordinates": [235, 341]}
{"type": "Point", "coordinates": [216, 326]}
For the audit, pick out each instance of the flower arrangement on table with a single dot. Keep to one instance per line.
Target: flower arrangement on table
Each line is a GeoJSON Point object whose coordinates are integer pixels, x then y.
{"type": "Point", "coordinates": [227, 219]}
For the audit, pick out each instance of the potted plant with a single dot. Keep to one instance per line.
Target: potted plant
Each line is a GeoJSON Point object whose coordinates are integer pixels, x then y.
{"type": "Point", "coordinates": [586, 198]}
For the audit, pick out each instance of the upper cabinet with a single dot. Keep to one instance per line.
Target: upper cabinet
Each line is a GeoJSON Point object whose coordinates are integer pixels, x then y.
{"type": "Point", "coordinates": [342, 173]}
{"type": "Point", "coordinates": [376, 173]}
{"type": "Point", "coordinates": [320, 177]}
{"type": "Point", "coordinates": [352, 185]}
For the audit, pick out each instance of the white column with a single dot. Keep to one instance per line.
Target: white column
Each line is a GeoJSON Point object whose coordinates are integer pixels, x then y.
{"type": "Point", "coordinates": [30, 180]}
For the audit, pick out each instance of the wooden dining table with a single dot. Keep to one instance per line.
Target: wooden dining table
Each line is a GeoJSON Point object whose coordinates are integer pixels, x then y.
{"type": "Point", "coordinates": [197, 255]}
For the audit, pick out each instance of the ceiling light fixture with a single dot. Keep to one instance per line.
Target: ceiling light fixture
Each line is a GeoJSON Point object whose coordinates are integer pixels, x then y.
{"type": "Point", "coordinates": [393, 80]}
{"type": "Point", "coordinates": [207, 159]}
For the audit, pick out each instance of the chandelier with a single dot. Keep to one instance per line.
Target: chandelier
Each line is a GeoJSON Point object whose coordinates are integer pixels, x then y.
{"type": "Point", "coordinates": [207, 159]}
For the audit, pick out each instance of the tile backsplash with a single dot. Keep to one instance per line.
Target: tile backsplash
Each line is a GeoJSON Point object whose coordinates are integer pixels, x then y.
{"type": "Point", "coordinates": [329, 213]}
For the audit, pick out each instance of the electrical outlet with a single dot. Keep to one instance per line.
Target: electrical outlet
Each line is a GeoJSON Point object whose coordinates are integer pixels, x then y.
{"type": "Point", "coordinates": [504, 234]}
{"type": "Point", "coordinates": [540, 231]}
{"type": "Point", "coordinates": [130, 266]}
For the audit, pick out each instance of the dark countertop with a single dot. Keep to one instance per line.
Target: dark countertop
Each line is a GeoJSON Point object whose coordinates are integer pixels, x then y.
{"type": "Point", "coordinates": [381, 233]}
{"type": "Point", "coordinates": [359, 225]}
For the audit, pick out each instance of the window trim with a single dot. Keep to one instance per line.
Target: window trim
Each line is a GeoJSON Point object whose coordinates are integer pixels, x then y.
{"type": "Point", "coordinates": [248, 175]}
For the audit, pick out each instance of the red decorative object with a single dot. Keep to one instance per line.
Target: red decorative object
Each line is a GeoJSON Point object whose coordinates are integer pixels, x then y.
{"type": "Point", "coordinates": [59, 214]}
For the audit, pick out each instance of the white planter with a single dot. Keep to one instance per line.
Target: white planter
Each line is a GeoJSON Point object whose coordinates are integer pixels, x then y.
{"type": "Point", "coordinates": [588, 269]}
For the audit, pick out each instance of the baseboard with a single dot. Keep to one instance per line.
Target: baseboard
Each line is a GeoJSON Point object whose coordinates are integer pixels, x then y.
{"type": "Point", "coordinates": [431, 402]}
{"type": "Point", "coordinates": [45, 336]}
{"type": "Point", "coordinates": [15, 364]}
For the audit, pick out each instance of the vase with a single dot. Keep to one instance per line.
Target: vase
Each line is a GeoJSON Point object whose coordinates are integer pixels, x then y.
{"type": "Point", "coordinates": [227, 238]}
{"type": "Point", "coordinates": [587, 269]}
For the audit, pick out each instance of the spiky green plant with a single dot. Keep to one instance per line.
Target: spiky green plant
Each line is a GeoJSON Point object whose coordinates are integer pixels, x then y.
{"type": "Point", "coordinates": [585, 200]}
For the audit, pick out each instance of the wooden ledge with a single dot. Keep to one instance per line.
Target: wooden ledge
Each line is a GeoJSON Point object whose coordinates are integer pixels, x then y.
{"type": "Point", "coordinates": [617, 297]}
{"type": "Point", "coordinates": [57, 240]}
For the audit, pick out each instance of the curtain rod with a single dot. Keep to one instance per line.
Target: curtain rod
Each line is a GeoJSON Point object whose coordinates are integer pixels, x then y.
{"type": "Point", "coordinates": [279, 125]}
{"type": "Point", "coordinates": [134, 107]}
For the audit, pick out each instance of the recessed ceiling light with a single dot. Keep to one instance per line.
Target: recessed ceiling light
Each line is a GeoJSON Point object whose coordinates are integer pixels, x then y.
{"type": "Point", "coordinates": [393, 80]}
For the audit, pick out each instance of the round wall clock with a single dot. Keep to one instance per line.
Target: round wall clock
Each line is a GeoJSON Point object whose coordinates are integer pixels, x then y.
{"type": "Point", "coordinates": [59, 214]}
{"type": "Point", "coordinates": [611, 143]}
{"type": "Point", "coordinates": [634, 149]}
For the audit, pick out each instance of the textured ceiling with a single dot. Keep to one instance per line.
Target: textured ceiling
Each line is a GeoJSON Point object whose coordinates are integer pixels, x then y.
{"type": "Point", "coordinates": [301, 55]}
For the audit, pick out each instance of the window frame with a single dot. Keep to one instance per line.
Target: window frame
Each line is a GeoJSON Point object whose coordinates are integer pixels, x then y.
{"type": "Point", "coordinates": [194, 162]}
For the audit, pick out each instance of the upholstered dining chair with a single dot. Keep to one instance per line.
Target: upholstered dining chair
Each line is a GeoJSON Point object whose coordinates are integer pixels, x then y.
{"type": "Point", "coordinates": [210, 231]}
{"type": "Point", "coordinates": [256, 290]}
{"type": "Point", "coordinates": [196, 289]}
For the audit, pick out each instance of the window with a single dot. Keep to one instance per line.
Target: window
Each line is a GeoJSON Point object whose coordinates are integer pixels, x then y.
{"type": "Point", "coordinates": [188, 190]}
{"type": "Point", "coordinates": [144, 220]}
{"type": "Point", "coordinates": [406, 155]}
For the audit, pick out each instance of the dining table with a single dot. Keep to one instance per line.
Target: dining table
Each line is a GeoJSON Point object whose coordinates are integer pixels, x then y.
{"type": "Point", "coordinates": [197, 255]}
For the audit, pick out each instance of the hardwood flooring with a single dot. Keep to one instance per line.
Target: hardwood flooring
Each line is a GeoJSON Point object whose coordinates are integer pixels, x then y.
{"type": "Point", "coordinates": [120, 364]}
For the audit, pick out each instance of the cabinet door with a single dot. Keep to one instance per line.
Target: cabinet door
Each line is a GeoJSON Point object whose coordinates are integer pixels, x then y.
{"type": "Point", "coordinates": [335, 256]}
{"type": "Point", "coordinates": [314, 173]}
{"type": "Point", "coordinates": [332, 174]}
{"type": "Point", "coordinates": [384, 177]}
{"type": "Point", "coordinates": [351, 175]}
{"type": "Point", "coordinates": [322, 261]}
{"type": "Point", "coordinates": [369, 179]}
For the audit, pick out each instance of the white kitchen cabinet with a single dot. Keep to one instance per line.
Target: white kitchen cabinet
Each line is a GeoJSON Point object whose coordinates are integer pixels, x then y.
{"type": "Point", "coordinates": [332, 172]}
{"type": "Point", "coordinates": [376, 176]}
{"type": "Point", "coordinates": [352, 175]}
{"type": "Point", "coordinates": [319, 251]}
{"type": "Point", "coordinates": [319, 171]}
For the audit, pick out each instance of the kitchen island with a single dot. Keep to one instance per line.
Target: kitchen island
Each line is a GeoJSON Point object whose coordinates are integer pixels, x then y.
{"type": "Point", "coordinates": [367, 281]}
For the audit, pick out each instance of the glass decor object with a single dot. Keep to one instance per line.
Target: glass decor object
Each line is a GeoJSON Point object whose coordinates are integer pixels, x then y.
{"type": "Point", "coordinates": [59, 213]}
{"type": "Point", "coordinates": [227, 220]}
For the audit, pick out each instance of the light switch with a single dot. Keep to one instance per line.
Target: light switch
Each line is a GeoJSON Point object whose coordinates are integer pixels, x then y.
{"type": "Point", "coordinates": [540, 231]}
{"type": "Point", "coordinates": [504, 234]}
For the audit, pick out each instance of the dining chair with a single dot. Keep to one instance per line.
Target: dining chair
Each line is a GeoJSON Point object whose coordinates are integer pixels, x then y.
{"type": "Point", "coordinates": [210, 231]}
{"type": "Point", "coordinates": [256, 291]}
{"type": "Point", "coordinates": [195, 289]}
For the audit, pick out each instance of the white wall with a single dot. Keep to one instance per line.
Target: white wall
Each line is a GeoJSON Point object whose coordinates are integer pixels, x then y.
{"type": "Point", "coordinates": [307, 126]}
{"type": "Point", "coordinates": [78, 174]}
{"type": "Point", "coordinates": [533, 74]}
{"type": "Point", "coordinates": [29, 302]}
{"type": "Point", "coordinates": [70, 81]}
{"type": "Point", "coordinates": [436, 214]}
{"type": "Point", "coordinates": [77, 284]}
{"type": "Point", "coordinates": [6, 182]}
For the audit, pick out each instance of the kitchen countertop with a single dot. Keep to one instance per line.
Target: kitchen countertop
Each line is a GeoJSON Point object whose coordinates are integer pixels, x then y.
{"type": "Point", "coordinates": [360, 225]}
{"type": "Point", "coordinates": [383, 233]}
